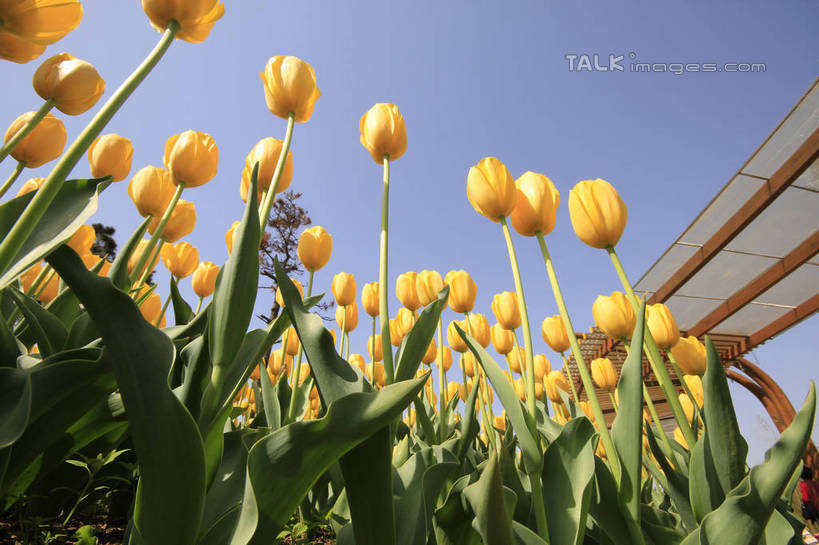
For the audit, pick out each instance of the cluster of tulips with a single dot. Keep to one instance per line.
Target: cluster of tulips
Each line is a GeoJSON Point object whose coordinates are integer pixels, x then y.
{"type": "Point", "coordinates": [238, 432]}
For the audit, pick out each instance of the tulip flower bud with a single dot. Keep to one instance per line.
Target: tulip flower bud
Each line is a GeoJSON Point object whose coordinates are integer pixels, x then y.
{"type": "Point", "coordinates": [614, 315]}
{"type": "Point", "coordinates": [204, 278]}
{"type": "Point", "coordinates": [32, 184]}
{"type": "Point", "coordinates": [462, 291]}
{"type": "Point", "coordinates": [292, 346]}
{"type": "Point", "coordinates": [502, 339]}
{"type": "Point", "coordinates": [404, 321]}
{"type": "Point", "coordinates": [405, 290]}
{"type": "Point", "coordinates": [369, 298]}
{"type": "Point", "coordinates": [44, 143]}
{"type": "Point", "coordinates": [453, 338]}
{"type": "Point", "coordinates": [694, 384]}
{"type": "Point", "coordinates": [520, 389]}
{"type": "Point", "coordinates": [604, 373]}
{"type": "Point", "coordinates": [687, 407]}
{"type": "Point", "coordinates": [29, 276]}
{"type": "Point", "coordinates": [542, 366]}
{"type": "Point", "coordinates": [195, 17]}
{"type": "Point", "coordinates": [300, 288]}
{"type": "Point", "coordinates": [266, 152]}
{"type": "Point", "coordinates": [396, 333]}
{"type": "Point", "coordinates": [82, 239]}
{"type": "Point", "coordinates": [468, 363]}
{"type": "Point", "coordinates": [554, 334]}
{"type": "Point", "coordinates": [516, 358]}
{"type": "Point", "coordinates": [679, 437]}
{"type": "Point", "coordinates": [40, 22]}
{"type": "Point", "coordinates": [586, 407]}
{"type": "Point", "coordinates": [191, 157]}
{"type": "Point", "coordinates": [447, 358]}
{"type": "Point", "coordinates": [452, 389]}
{"type": "Point", "coordinates": [74, 84]}
{"type": "Point", "coordinates": [374, 348]}
{"type": "Point", "coordinates": [180, 224]}
{"type": "Point", "coordinates": [600, 451]}
{"type": "Point", "coordinates": [290, 87]}
{"type": "Point", "coordinates": [357, 360]}
{"type": "Point", "coordinates": [151, 190]}
{"type": "Point", "coordinates": [383, 132]}
{"type": "Point", "coordinates": [347, 317]}
{"type": "Point", "coordinates": [181, 259]}
{"type": "Point", "coordinates": [18, 50]}
{"type": "Point", "coordinates": [690, 355]}
{"type": "Point", "coordinates": [479, 326]}
{"type": "Point", "coordinates": [662, 325]}
{"type": "Point", "coordinates": [151, 307]}
{"type": "Point", "coordinates": [505, 308]}
{"type": "Point", "coordinates": [231, 235]}
{"type": "Point", "coordinates": [597, 212]}
{"type": "Point", "coordinates": [304, 372]}
{"type": "Point", "coordinates": [343, 288]}
{"type": "Point", "coordinates": [553, 381]}
{"type": "Point", "coordinates": [379, 377]}
{"type": "Point", "coordinates": [314, 248]}
{"type": "Point", "coordinates": [135, 257]}
{"type": "Point", "coordinates": [427, 286]}
{"type": "Point", "coordinates": [536, 205]}
{"type": "Point", "coordinates": [431, 353]}
{"type": "Point", "coordinates": [491, 189]}
{"type": "Point", "coordinates": [50, 289]}
{"type": "Point", "coordinates": [500, 422]}
{"type": "Point", "coordinates": [111, 155]}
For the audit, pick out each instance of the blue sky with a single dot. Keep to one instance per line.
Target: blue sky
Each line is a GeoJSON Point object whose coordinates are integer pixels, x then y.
{"type": "Point", "coordinates": [472, 79]}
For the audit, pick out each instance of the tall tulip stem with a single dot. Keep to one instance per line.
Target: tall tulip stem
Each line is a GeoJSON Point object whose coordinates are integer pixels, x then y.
{"type": "Point", "coordinates": [585, 377]}
{"type": "Point", "coordinates": [160, 228]}
{"type": "Point", "coordinates": [383, 311]}
{"type": "Point", "coordinates": [43, 198]}
{"type": "Point", "coordinates": [654, 356]}
{"type": "Point", "coordinates": [442, 432]}
{"type": "Point", "coordinates": [145, 270]}
{"type": "Point", "coordinates": [270, 196]}
{"type": "Point", "coordinates": [38, 116]}
{"type": "Point", "coordinates": [13, 178]}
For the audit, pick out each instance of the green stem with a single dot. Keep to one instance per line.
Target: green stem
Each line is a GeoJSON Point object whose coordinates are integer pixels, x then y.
{"type": "Point", "coordinates": [539, 505]}
{"type": "Point", "coordinates": [585, 377]}
{"type": "Point", "coordinates": [613, 402]}
{"type": "Point", "coordinates": [9, 146]}
{"type": "Point", "coordinates": [38, 281]}
{"type": "Point", "coordinates": [43, 198]}
{"type": "Point", "coordinates": [654, 357]}
{"type": "Point", "coordinates": [162, 312]}
{"type": "Point", "coordinates": [372, 356]}
{"type": "Point", "coordinates": [13, 178]}
{"type": "Point", "coordinates": [146, 267]}
{"type": "Point", "coordinates": [80, 498]}
{"type": "Point", "coordinates": [309, 293]}
{"type": "Point", "coordinates": [383, 312]}
{"type": "Point", "coordinates": [199, 305]}
{"type": "Point", "coordinates": [291, 409]}
{"type": "Point", "coordinates": [160, 228]}
{"type": "Point", "coordinates": [270, 196]}
{"type": "Point", "coordinates": [39, 291]}
{"type": "Point", "coordinates": [442, 403]}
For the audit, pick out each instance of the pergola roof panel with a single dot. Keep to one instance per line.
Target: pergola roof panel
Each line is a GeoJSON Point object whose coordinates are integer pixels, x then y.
{"type": "Point", "coordinates": [810, 178]}
{"type": "Point", "coordinates": [790, 291]}
{"type": "Point", "coordinates": [750, 319]}
{"type": "Point", "coordinates": [674, 257]}
{"type": "Point", "coordinates": [724, 273]}
{"type": "Point", "coordinates": [687, 311]}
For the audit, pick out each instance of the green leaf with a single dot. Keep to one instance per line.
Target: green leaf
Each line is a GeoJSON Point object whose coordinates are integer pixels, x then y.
{"type": "Point", "coordinates": [453, 522]}
{"type": "Point", "coordinates": [169, 448]}
{"type": "Point", "coordinates": [416, 342]}
{"type": "Point", "coordinates": [676, 484]}
{"type": "Point", "coordinates": [298, 454]}
{"type": "Point", "coordinates": [743, 516]}
{"type": "Point", "coordinates": [492, 505]}
{"type": "Point", "coordinates": [270, 399]}
{"type": "Point", "coordinates": [48, 331]}
{"type": "Point", "coordinates": [9, 349]}
{"type": "Point", "coordinates": [75, 202]}
{"type": "Point", "coordinates": [118, 273]}
{"type": "Point", "coordinates": [182, 311]}
{"type": "Point", "coordinates": [602, 507]}
{"type": "Point", "coordinates": [15, 404]}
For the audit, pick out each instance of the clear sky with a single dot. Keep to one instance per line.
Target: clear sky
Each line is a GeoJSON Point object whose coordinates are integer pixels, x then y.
{"type": "Point", "coordinates": [472, 79]}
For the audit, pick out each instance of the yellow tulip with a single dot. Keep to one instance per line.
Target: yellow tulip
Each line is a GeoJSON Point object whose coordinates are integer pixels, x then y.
{"type": "Point", "coordinates": [15, 49]}
{"type": "Point", "coordinates": [292, 346]}
{"type": "Point", "coordinates": [82, 239]}
{"type": "Point", "coordinates": [502, 339]}
{"type": "Point", "coordinates": [452, 389]}
{"type": "Point", "coordinates": [396, 333]}
{"type": "Point", "coordinates": [151, 308]}
{"type": "Point", "coordinates": [447, 358]}
{"type": "Point", "coordinates": [300, 288]}
{"type": "Point", "coordinates": [274, 363]}
{"type": "Point", "coordinates": [614, 315]}
{"type": "Point", "coordinates": [406, 291]}
{"type": "Point", "coordinates": [542, 366]}
{"type": "Point", "coordinates": [204, 278]}
{"type": "Point", "coordinates": [517, 357]}
{"type": "Point", "coordinates": [266, 152]}
{"type": "Point", "coordinates": [687, 406]}
{"type": "Point", "coordinates": [427, 285]}
{"type": "Point", "coordinates": [230, 236]}
{"type": "Point", "coordinates": [134, 258]}
{"type": "Point", "coordinates": [505, 308]}
{"type": "Point", "coordinates": [181, 259]}
{"type": "Point", "coordinates": [479, 326]}
{"type": "Point", "coordinates": [374, 348]}
{"type": "Point", "coordinates": [347, 317]}
{"type": "Point", "coordinates": [694, 384]}
{"type": "Point", "coordinates": [586, 407]}
{"type": "Point", "coordinates": [500, 421]}
{"type": "Point", "coordinates": [191, 157]}
{"type": "Point", "coordinates": [662, 325]}
{"type": "Point", "coordinates": [491, 189]}
{"type": "Point", "coordinates": [111, 155]}
{"type": "Point", "coordinates": [520, 389]}
{"type": "Point", "coordinates": [290, 86]}
{"type": "Point", "coordinates": [679, 437]}
{"type": "Point", "coordinates": [180, 224]}
{"type": "Point", "coordinates": [369, 298]}
{"type": "Point", "coordinates": [74, 84]}
{"type": "Point", "coordinates": [597, 212]}
{"type": "Point", "coordinates": [536, 205]}
{"type": "Point", "coordinates": [553, 381]}
{"type": "Point", "coordinates": [383, 132]}
{"type": "Point", "coordinates": [404, 320]}
{"type": "Point", "coordinates": [604, 373]}
{"type": "Point", "coordinates": [379, 375]}
{"type": "Point", "coordinates": [151, 190]}
{"type": "Point", "coordinates": [42, 22]}
{"type": "Point", "coordinates": [29, 276]}
{"type": "Point", "coordinates": [315, 248]}
{"type": "Point", "coordinates": [554, 334]}
{"type": "Point", "coordinates": [690, 355]}
{"type": "Point", "coordinates": [462, 291]}
{"type": "Point", "coordinates": [454, 339]}
{"type": "Point", "coordinates": [195, 17]}
{"type": "Point", "coordinates": [44, 143]}
{"type": "Point", "coordinates": [431, 353]}
{"type": "Point", "coordinates": [468, 363]}
{"type": "Point", "coordinates": [357, 360]}
{"type": "Point", "coordinates": [30, 185]}
{"type": "Point", "coordinates": [343, 288]}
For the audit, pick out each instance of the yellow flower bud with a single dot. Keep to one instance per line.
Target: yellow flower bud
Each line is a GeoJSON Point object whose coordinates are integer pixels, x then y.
{"type": "Point", "coordinates": [44, 143]}
{"type": "Point", "coordinates": [396, 333]}
{"type": "Point", "coordinates": [137, 255]}
{"type": "Point", "coordinates": [369, 298]}
{"type": "Point", "coordinates": [542, 366]}
{"type": "Point", "coordinates": [502, 339]}
{"type": "Point", "coordinates": [111, 155]}
{"type": "Point", "coordinates": [195, 17]}
{"type": "Point", "coordinates": [290, 86]}
{"type": "Point", "coordinates": [191, 157]}
{"type": "Point", "coordinates": [204, 278]}
{"type": "Point", "coordinates": [18, 50]}
{"type": "Point", "coordinates": [447, 358]}
{"type": "Point", "coordinates": [292, 346]}
{"type": "Point", "coordinates": [500, 422]}
{"type": "Point", "coordinates": [379, 375]}
{"type": "Point", "coordinates": [600, 451]}
{"type": "Point", "coordinates": [151, 308]}
{"type": "Point", "coordinates": [230, 236]}
{"type": "Point", "coordinates": [151, 190]}
{"type": "Point", "coordinates": [304, 372]}
{"type": "Point", "coordinates": [516, 358]}
{"type": "Point", "coordinates": [453, 338]}
{"type": "Point", "coordinates": [427, 285]}
{"type": "Point", "coordinates": [383, 132]}
{"type": "Point", "coordinates": [520, 389]}
{"type": "Point", "coordinates": [687, 406]}
{"type": "Point", "coordinates": [374, 348]}
{"type": "Point", "coordinates": [431, 353]}
{"type": "Point", "coordinates": [679, 437]}
{"type": "Point", "coordinates": [180, 224]}
{"type": "Point", "coordinates": [278, 358]}
{"type": "Point", "coordinates": [300, 288]}
{"type": "Point", "coordinates": [662, 325]}
{"type": "Point", "coordinates": [32, 184]}
{"type": "Point", "coordinates": [82, 239]}
{"type": "Point", "coordinates": [554, 334]}
{"type": "Point", "coordinates": [42, 22]}
{"type": "Point", "coordinates": [74, 84]}
{"type": "Point", "coordinates": [491, 189]}
{"type": "Point", "coordinates": [479, 327]}
{"type": "Point", "coordinates": [694, 384]}
{"type": "Point", "coordinates": [404, 320]}
{"type": "Point", "coordinates": [690, 355]}
{"type": "Point", "coordinates": [614, 315]}
{"type": "Point", "coordinates": [553, 381]}
{"type": "Point", "coordinates": [468, 363]}
{"type": "Point", "coordinates": [462, 291]}
{"type": "Point", "coordinates": [347, 317]}
{"type": "Point", "coordinates": [505, 308]}
{"type": "Point", "coordinates": [597, 212]}
{"type": "Point", "coordinates": [604, 373]}
{"type": "Point", "coordinates": [357, 360]}
{"type": "Point", "coordinates": [536, 205]}
{"type": "Point", "coordinates": [343, 288]}
{"type": "Point", "coordinates": [452, 389]}
{"type": "Point", "coordinates": [181, 259]}
{"type": "Point", "coordinates": [406, 291]}
{"type": "Point", "coordinates": [315, 248]}
{"type": "Point", "coordinates": [586, 407]}
{"type": "Point", "coordinates": [266, 152]}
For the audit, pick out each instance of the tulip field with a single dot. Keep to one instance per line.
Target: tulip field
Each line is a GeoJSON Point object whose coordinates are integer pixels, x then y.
{"type": "Point", "coordinates": [190, 425]}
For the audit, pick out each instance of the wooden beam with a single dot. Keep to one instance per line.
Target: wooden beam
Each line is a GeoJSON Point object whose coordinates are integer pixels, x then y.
{"type": "Point", "coordinates": [794, 316]}
{"type": "Point", "coordinates": [790, 170]}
